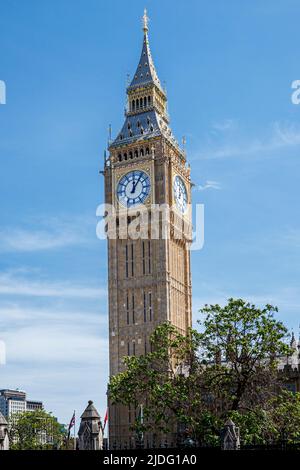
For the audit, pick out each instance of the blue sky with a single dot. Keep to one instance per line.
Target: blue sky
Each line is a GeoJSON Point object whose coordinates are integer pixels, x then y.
{"type": "Point", "coordinates": [228, 68]}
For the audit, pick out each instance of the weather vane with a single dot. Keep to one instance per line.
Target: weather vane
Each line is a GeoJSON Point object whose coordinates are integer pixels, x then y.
{"type": "Point", "coordinates": [145, 21]}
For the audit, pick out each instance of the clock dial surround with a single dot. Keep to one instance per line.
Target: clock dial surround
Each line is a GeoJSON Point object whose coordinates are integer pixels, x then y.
{"type": "Point", "coordinates": [133, 188]}
{"type": "Point", "coordinates": [180, 194]}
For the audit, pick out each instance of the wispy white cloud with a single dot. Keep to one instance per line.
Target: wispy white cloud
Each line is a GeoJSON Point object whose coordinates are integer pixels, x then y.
{"type": "Point", "coordinates": [13, 314]}
{"type": "Point", "coordinates": [53, 353]}
{"type": "Point", "coordinates": [24, 240]}
{"type": "Point", "coordinates": [43, 233]}
{"type": "Point", "coordinates": [70, 343]}
{"type": "Point", "coordinates": [15, 285]}
{"type": "Point", "coordinates": [225, 125]}
{"type": "Point", "coordinates": [209, 185]}
{"type": "Point", "coordinates": [286, 298]}
{"type": "Point", "coordinates": [280, 136]}
{"type": "Point", "coordinates": [285, 241]}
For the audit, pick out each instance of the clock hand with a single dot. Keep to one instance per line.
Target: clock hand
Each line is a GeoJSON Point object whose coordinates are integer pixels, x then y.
{"type": "Point", "coordinates": [135, 185]}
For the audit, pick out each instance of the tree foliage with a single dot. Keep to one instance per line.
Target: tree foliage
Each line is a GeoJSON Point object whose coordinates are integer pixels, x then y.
{"type": "Point", "coordinates": [241, 344]}
{"type": "Point", "coordinates": [35, 430]}
{"type": "Point", "coordinates": [228, 368]}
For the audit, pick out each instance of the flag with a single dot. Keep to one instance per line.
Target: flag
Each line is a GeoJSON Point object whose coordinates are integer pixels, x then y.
{"type": "Point", "coordinates": [105, 420]}
{"type": "Point", "coordinates": [72, 423]}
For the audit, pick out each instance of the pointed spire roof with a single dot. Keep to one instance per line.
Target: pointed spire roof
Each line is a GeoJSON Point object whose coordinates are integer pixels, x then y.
{"type": "Point", "coordinates": [90, 412]}
{"type": "Point", "coordinates": [293, 341]}
{"type": "Point", "coordinates": [145, 72]}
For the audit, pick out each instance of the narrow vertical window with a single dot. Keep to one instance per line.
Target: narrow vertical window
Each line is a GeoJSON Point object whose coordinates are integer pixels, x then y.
{"type": "Point", "coordinates": [127, 309]}
{"type": "Point", "coordinates": [129, 413]}
{"type": "Point", "coordinates": [150, 306]}
{"type": "Point", "coordinates": [133, 310]}
{"type": "Point", "coordinates": [133, 348]}
{"type": "Point", "coordinates": [144, 261]}
{"type": "Point", "coordinates": [145, 307]}
{"type": "Point", "coordinates": [126, 260]}
{"type": "Point", "coordinates": [145, 346]}
{"type": "Point", "coordinates": [149, 256]}
{"type": "Point", "coordinates": [132, 261]}
{"type": "Point", "coordinates": [128, 349]}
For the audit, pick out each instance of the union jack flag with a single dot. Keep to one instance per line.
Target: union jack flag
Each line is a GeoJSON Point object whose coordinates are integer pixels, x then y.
{"type": "Point", "coordinates": [72, 423]}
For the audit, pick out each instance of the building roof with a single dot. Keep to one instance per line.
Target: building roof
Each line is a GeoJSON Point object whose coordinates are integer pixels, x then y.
{"type": "Point", "coordinates": [143, 126]}
{"type": "Point", "coordinates": [90, 412]}
{"type": "Point", "coordinates": [145, 72]}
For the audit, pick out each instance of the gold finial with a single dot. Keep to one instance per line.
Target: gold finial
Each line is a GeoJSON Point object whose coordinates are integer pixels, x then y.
{"type": "Point", "coordinates": [145, 21]}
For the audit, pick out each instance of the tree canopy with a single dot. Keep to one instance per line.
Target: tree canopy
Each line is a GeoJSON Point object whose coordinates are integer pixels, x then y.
{"type": "Point", "coordinates": [35, 430]}
{"type": "Point", "coordinates": [226, 369]}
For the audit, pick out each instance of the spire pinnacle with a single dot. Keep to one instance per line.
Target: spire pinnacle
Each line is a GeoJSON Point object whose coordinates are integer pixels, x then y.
{"type": "Point", "coordinates": [145, 21]}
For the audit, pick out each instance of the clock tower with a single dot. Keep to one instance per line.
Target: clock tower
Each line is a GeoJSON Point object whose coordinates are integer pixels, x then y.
{"type": "Point", "coordinates": [149, 279]}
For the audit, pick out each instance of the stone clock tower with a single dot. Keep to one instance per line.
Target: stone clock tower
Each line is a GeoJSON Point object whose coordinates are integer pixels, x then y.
{"type": "Point", "coordinates": [149, 279]}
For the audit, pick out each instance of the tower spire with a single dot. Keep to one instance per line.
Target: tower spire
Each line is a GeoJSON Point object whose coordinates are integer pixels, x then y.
{"type": "Point", "coordinates": [145, 73]}
{"type": "Point", "coordinates": [146, 112]}
{"type": "Point", "coordinates": [145, 20]}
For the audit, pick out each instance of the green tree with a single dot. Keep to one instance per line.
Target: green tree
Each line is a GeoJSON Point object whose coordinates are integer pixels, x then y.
{"type": "Point", "coordinates": [164, 382]}
{"type": "Point", "coordinates": [284, 411]}
{"type": "Point", "coordinates": [278, 420]}
{"type": "Point", "coordinates": [241, 343]}
{"type": "Point", "coordinates": [196, 381]}
{"type": "Point", "coordinates": [36, 430]}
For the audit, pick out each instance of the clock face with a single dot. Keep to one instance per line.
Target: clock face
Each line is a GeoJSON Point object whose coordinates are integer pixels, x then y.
{"type": "Point", "coordinates": [133, 188]}
{"type": "Point", "coordinates": [180, 194]}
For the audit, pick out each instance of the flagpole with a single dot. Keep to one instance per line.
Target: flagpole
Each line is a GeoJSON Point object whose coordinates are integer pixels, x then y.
{"type": "Point", "coordinates": [74, 430]}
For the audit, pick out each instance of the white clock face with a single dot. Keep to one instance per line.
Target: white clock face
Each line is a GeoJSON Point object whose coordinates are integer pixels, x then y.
{"type": "Point", "coordinates": [180, 194]}
{"type": "Point", "coordinates": [133, 188]}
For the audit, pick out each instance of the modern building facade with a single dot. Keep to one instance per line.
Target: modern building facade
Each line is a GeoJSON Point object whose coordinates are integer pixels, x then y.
{"type": "Point", "coordinates": [149, 278]}
{"type": "Point", "coordinates": [15, 401]}
{"type": "Point", "coordinates": [34, 405]}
